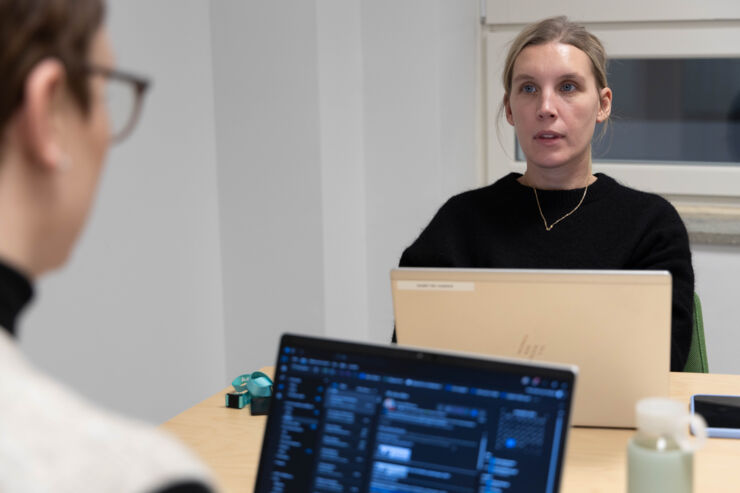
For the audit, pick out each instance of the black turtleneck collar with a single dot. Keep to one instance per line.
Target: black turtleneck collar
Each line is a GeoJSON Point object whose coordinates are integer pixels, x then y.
{"type": "Point", "coordinates": [15, 293]}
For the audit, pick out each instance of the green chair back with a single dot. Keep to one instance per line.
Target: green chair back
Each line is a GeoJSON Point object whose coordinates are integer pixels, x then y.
{"type": "Point", "coordinates": [697, 362]}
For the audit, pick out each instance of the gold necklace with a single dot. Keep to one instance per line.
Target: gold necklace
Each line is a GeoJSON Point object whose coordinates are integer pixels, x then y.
{"type": "Point", "coordinates": [542, 215]}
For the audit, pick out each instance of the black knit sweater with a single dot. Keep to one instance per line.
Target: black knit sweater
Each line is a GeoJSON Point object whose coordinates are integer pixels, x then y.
{"type": "Point", "coordinates": [16, 292]}
{"type": "Point", "coordinates": [499, 226]}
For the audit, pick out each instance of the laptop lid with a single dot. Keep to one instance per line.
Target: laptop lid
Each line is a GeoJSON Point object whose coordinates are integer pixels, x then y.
{"type": "Point", "coordinates": [614, 325]}
{"type": "Point", "coordinates": [364, 418]}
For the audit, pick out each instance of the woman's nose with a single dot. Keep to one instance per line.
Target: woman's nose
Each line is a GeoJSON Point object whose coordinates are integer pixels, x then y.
{"type": "Point", "coordinates": [546, 109]}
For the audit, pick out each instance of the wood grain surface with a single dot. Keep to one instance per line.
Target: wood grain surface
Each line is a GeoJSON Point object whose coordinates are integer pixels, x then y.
{"type": "Point", "coordinates": [229, 441]}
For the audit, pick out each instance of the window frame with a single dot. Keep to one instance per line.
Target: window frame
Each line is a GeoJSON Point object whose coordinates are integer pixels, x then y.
{"type": "Point", "coordinates": [650, 39]}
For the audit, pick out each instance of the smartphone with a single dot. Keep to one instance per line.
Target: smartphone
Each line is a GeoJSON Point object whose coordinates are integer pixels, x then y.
{"type": "Point", "coordinates": [721, 412]}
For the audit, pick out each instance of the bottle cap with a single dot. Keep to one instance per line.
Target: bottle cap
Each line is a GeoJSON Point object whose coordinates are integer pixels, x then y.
{"type": "Point", "coordinates": [661, 416]}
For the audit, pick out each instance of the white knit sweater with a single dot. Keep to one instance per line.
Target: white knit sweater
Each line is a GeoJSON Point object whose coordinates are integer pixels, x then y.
{"type": "Point", "coordinates": [52, 440]}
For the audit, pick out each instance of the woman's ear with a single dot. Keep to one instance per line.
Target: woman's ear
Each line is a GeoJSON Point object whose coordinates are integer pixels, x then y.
{"type": "Point", "coordinates": [605, 105]}
{"type": "Point", "coordinates": [507, 110]}
{"type": "Point", "coordinates": [41, 116]}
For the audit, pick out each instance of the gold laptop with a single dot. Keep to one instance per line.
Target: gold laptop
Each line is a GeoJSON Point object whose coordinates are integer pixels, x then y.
{"type": "Point", "coordinates": [614, 325]}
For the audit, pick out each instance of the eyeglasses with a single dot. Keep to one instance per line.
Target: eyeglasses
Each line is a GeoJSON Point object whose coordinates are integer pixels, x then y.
{"type": "Point", "coordinates": [124, 95]}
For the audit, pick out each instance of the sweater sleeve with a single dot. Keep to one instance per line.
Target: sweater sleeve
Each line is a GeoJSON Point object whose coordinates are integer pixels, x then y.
{"type": "Point", "coordinates": [665, 246]}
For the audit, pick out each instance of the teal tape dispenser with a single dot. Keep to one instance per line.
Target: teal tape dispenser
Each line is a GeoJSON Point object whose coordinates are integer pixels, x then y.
{"type": "Point", "coordinates": [254, 389]}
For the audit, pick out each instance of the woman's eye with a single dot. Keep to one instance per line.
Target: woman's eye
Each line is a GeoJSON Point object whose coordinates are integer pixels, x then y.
{"type": "Point", "coordinates": [568, 87]}
{"type": "Point", "coordinates": [528, 88]}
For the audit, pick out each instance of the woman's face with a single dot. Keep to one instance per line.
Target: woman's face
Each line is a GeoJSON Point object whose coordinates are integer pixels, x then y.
{"type": "Point", "coordinates": [554, 105]}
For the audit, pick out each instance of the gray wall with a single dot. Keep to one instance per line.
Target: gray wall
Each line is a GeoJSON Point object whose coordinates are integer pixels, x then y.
{"type": "Point", "coordinates": [420, 116]}
{"type": "Point", "coordinates": [289, 151]}
{"type": "Point", "coordinates": [266, 80]}
{"type": "Point", "coordinates": [135, 319]}
{"type": "Point", "coordinates": [341, 126]}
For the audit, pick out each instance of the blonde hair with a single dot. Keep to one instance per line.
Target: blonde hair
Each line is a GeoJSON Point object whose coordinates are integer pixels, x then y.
{"type": "Point", "coordinates": [559, 30]}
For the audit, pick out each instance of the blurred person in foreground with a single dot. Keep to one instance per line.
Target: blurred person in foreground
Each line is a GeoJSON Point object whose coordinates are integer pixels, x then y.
{"type": "Point", "coordinates": [57, 73]}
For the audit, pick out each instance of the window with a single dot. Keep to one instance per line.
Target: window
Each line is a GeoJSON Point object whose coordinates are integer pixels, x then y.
{"type": "Point", "coordinates": [675, 80]}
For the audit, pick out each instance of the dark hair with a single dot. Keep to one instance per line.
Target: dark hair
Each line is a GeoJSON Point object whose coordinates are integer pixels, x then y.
{"type": "Point", "coordinates": [33, 30]}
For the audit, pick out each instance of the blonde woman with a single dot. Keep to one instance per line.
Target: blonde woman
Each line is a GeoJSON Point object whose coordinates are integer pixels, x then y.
{"type": "Point", "coordinates": [558, 214]}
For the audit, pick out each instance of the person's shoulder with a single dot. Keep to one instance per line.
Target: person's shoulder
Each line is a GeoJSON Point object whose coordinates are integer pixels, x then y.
{"type": "Point", "coordinates": [633, 198]}
{"type": "Point", "coordinates": [48, 430]}
{"type": "Point", "coordinates": [646, 210]}
{"type": "Point", "coordinates": [501, 189]}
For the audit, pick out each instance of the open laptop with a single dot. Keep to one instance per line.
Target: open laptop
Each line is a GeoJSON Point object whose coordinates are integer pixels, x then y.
{"type": "Point", "coordinates": [615, 325]}
{"type": "Point", "coordinates": [364, 418]}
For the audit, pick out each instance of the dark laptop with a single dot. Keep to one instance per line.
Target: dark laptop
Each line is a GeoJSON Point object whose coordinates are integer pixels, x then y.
{"type": "Point", "coordinates": [350, 417]}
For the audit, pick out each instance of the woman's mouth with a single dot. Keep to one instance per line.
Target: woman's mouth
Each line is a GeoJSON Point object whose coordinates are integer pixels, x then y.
{"type": "Point", "coordinates": [548, 137]}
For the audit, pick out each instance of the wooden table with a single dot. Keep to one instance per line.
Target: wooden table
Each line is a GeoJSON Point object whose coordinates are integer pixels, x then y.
{"type": "Point", "coordinates": [229, 441]}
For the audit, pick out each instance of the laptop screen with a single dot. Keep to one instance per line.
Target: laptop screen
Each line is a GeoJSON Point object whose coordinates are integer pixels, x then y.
{"type": "Point", "coordinates": [363, 418]}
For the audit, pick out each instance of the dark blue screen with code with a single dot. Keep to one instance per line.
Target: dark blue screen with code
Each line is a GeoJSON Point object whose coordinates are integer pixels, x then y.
{"type": "Point", "coordinates": [355, 418]}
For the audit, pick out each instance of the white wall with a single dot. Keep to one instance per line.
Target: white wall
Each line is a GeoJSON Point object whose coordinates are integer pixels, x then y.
{"type": "Point", "coordinates": [341, 127]}
{"type": "Point", "coordinates": [344, 195]}
{"type": "Point", "coordinates": [135, 319]}
{"type": "Point", "coordinates": [266, 80]}
{"type": "Point", "coordinates": [420, 117]}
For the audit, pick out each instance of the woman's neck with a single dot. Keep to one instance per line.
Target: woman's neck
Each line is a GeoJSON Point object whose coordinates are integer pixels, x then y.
{"type": "Point", "coordinates": [560, 178]}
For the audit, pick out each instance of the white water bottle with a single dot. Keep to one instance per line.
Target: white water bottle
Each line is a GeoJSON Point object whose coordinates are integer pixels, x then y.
{"type": "Point", "coordinates": [660, 456]}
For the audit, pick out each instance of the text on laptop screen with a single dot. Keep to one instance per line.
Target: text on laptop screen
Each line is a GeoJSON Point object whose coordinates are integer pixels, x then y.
{"type": "Point", "coordinates": [399, 420]}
